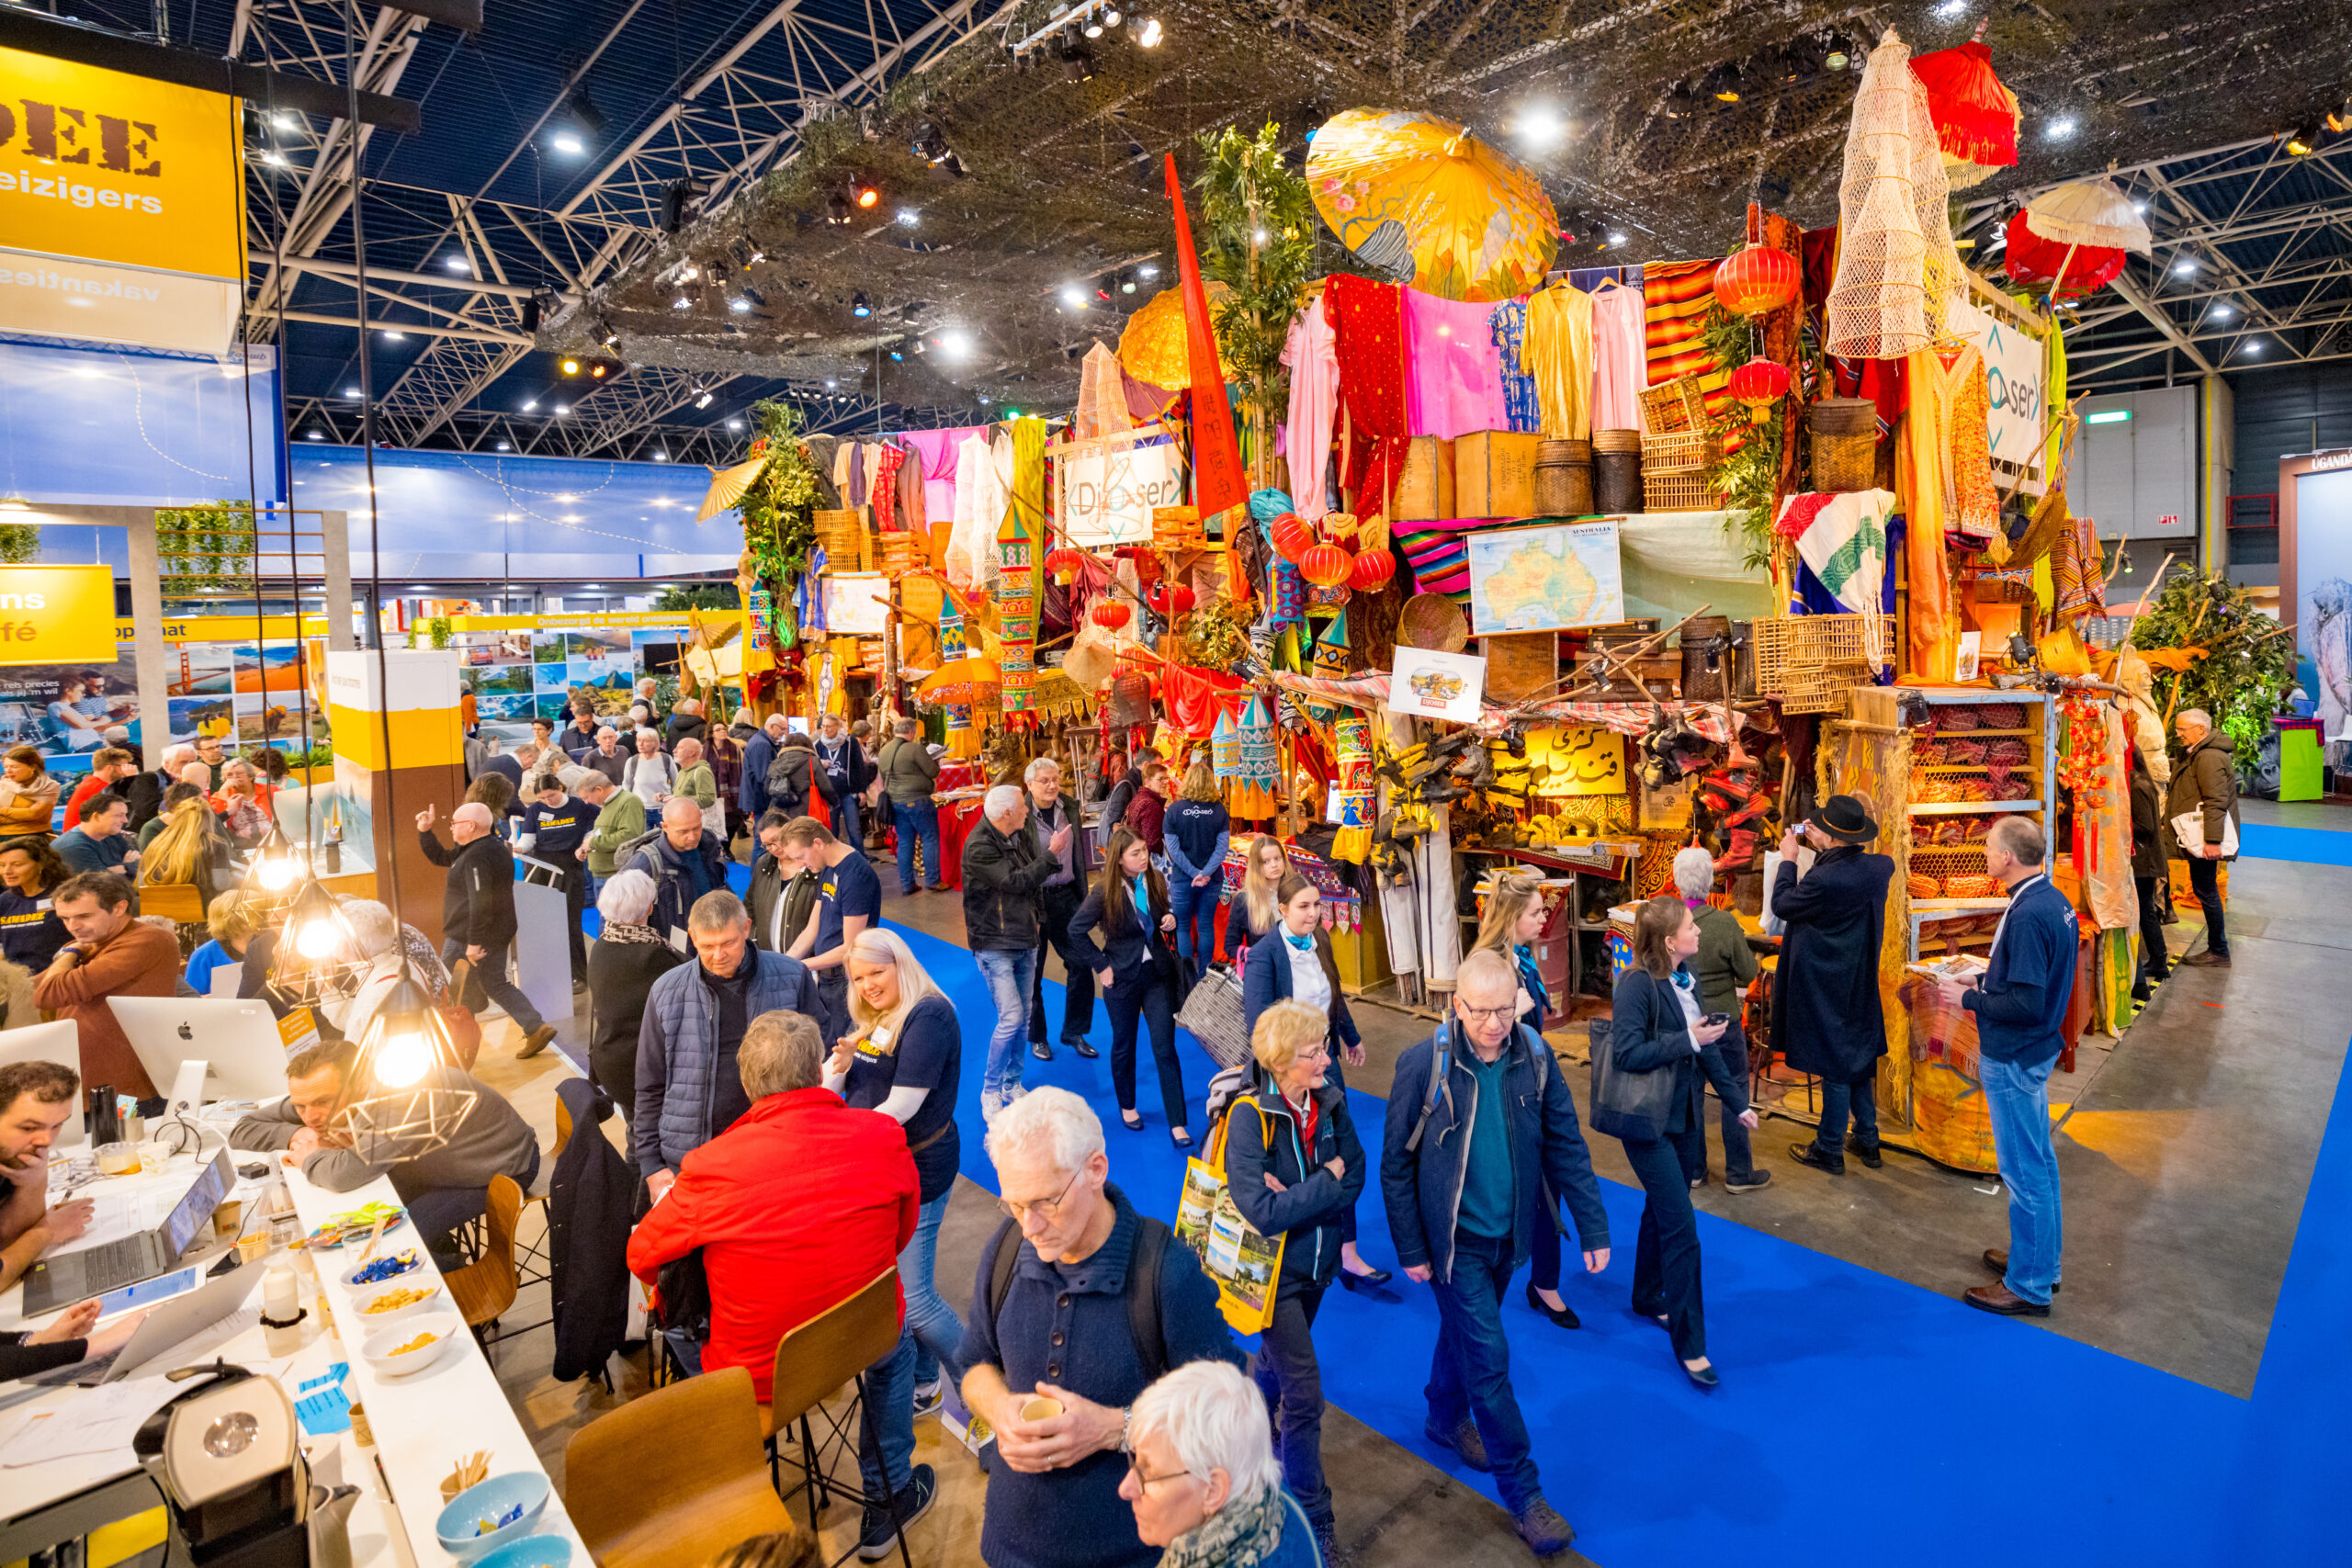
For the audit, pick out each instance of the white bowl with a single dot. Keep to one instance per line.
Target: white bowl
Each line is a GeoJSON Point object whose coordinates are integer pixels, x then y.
{"type": "Point", "coordinates": [429, 1301]}
{"type": "Point", "coordinates": [376, 1349]}
{"type": "Point", "coordinates": [351, 1275]}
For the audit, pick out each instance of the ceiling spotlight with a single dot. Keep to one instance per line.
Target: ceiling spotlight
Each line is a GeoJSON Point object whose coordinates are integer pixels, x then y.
{"type": "Point", "coordinates": [562, 410]}
{"type": "Point", "coordinates": [837, 211]}
{"type": "Point", "coordinates": [1951, 8]}
{"type": "Point", "coordinates": [1073, 297]}
{"type": "Point", "coordinates": [532, 406]}
{"type": "Point", "coordinates": [1840, 53]}
{"type": "Point", "coordinates": [955, 343]}
{"type": "Point", "coordinates": [739, 305]}
{"type": "Point", "coordinates": [1148, 270]}
{"type": "Point", "coordinates": [702, 397]}
{"type": "Point", "coordinates": [570, 145]}
{"type": "Point", "coordinates": [351, 392]}
{"type": "Point", "coordinates": [2185, 265]}
{"type": "Point", "coordinates": [1094, 28]}
{"type": "Point", "coordinates": [314, 435]}
{"type": "Point", "coordinates": [2062, 127]}
{"type": "Point", "coordinates": [1722, 83]}
{"type": "Point", "coordinates": [1112, 18]}
{"type": "Point", "coordinates": [1149, 37]}
{"type": "Point", "coordinates": [284, 121]}
{"type": "Point", "coordinates": [1127, 283]}
{"type": "Point", "coordinates": [1616, 237]}
{"type": "Point", "coordinates": [734, 425]}
{"type": "Point", "coordinates": [571, 368]}
{"type": "Point", "coordinates": [1540, 126]}
{"type": "Point", "coordinates": [2254, 345]}
{"type": "Point", "coordinates": [830, 385]}
{"type": "Point", "coordinates": [909, 217]}
{"type": "Point", "coordinates": [859, 307]}
{"type": "Point", "coordinates": [391, 337]}
{"type": "Point", "coordinates": [2302, 138]}
{"type": "Point", "coordinates": [682, 303]}
{"type": "Point", "coordinates": [505, 447]}
{"type": "Point", "coordinates": [864, 193]}
{"type": "Point", "coordinates": [274, 158]}
{"type": "Point", "coordinates": [2223, 312]}
{"type": "Point", "coordinates": [659, 456]}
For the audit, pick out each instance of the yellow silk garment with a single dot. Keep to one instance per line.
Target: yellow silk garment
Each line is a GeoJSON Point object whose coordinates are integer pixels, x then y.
{"type": "Point", "coordinates": [1922, 459]}
{"type": "Point", "coordinates": [1558, 354]}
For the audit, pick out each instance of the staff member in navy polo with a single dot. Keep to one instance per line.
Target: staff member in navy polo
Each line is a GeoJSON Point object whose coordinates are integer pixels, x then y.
{"type": "Point", "coordinates": [849, 899]}
{"type": "Point", "coordinates": [554, 827]}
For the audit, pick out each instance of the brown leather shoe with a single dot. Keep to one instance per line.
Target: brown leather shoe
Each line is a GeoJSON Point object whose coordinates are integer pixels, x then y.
{"type": "Point", "coordinates": [1996, 1259]}
{"type": "Point", "coordinates": [2207, 960]}
{"type": "Point", "coordinates": [535, 1042]}
{"type": "Point", "coordinates": [2001, 1301]}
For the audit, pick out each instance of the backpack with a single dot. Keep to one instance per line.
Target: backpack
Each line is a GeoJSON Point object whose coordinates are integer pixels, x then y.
{"type": "Point", "coordinates": [784, 793]}
{"type": "Point", "coordinates": [1142, 1292]}
{"type": "Point", "coordinates": [1441, 1076]}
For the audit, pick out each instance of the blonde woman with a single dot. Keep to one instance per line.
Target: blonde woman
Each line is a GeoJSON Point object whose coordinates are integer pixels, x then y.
{"type": "Point", "coordinates": [1259, 905]}
{"type": "Point", "coordinates": [903, 1057]}
{"type": "Point", "coordinates": [1514, 918]}
{"type": "Point", "coordinates": [183, 851]}
{"type": "Point", "coordinates": [1196, 830]}
{"type": "Point", "coordinates": [229, 918]}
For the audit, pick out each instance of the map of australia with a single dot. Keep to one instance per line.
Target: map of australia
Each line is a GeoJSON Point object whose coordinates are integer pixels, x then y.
{"type": "Point", "coordinates": [1529, 580]}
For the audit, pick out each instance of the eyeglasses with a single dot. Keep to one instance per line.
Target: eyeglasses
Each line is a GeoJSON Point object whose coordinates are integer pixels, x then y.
{"type": "Point", "coordinates": [1017, 1212]}
{"type": "Point", "coordinates": [1134, 1467]}
{"type": "Point", "coordinates": [1487, 1015]}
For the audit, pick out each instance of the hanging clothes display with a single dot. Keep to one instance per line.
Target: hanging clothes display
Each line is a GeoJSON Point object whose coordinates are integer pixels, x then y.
{"type": "Point", "coordinates": [1922, 462]}
{"type": "Point", "coordinates": [849, 474]}
{"type": "Point", "coordinates": [1956, 380]}
{"type": "Point", "coordinates": [1507, 329]}
{"type": "Point", "coordinates": [1558, 355]}
{"type": "Point", "coordinates": [1368, 328]}
{"type": "Point", "coordinates": [1455, 380]}
{"type": "Point", "coordinates": [885, 487]}
{"type": "Point", "coordinates": [939, 450]}
{"type": "Point", "coordinates": [982, 496]}
{"type": "Point", "coordinates": [1676, 297]}
{"type": "Point", "coordinates": [1313, 357]}
{"type": "Point", "coordinates": [1620, 355]}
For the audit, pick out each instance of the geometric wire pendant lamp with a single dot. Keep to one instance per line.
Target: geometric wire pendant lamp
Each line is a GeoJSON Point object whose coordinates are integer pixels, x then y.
{"type": "Point", "coordinates": [397, 1107]}
{"type": "Point", "coordinates": [317, 957]}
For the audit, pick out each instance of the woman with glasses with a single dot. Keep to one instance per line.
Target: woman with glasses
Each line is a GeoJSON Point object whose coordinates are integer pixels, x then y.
{"type": "Point", "coordinates": [1658, 1025]}
{"type": "Point", "coordinates": [1203, 1481]}
{"type": "Point", "coordinates": [1294, 1166]}
{"type": "Point", "coordinates": [1294, 963]}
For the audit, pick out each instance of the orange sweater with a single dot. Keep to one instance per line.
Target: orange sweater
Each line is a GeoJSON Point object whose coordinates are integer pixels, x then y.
{"type": "Point", "coordinates": [140, 960]}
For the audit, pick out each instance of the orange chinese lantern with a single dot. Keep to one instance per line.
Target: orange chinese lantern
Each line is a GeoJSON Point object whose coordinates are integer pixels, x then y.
{"type": "Point", "coordinates": [1110, 614]}
{"type": "Point", "coordinates": [1759, 384]}
{"type": "Point", "coordinates": [1326, 566]}
{"type": "Point", "coordinates": [1063, 564]}
{"type": "Point", "coordinates": [1370, 570]}
{"type": "Point", "coordinates": [1756, 278]}
{"type": "Point", "coordinates": [1293, 536]}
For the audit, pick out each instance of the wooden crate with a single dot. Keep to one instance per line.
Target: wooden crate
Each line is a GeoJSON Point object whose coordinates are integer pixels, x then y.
{"type": "Point", "coordinates": [845, 537]}
{"type": "Point", "coordinates": [1674, 405]}
{"type": "Point", "coordinates": [1425, 490]}
{"type": "Point", "coordinates": [1494, 473]}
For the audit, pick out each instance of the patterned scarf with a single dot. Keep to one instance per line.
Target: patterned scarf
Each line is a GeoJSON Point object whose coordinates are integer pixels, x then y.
{"type": "Point", "coordinates": [622, 931]}
{"type": "Point", "coordinates": [1242, 1534]}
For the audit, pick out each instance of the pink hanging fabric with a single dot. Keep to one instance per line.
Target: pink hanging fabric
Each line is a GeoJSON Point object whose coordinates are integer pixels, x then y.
{"type": "Point", "coordinates": [1313, 355]}
{"type": "Point", "coordinates": [1454, 379]}
{"type": "Point", "coordinates": [1621, 359]}
{"type": "Point", "coordinates": [938, 449]}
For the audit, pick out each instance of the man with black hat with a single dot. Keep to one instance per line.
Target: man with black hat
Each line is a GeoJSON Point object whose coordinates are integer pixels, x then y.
{"type": "Point", "coordinates": [1825, 1014]}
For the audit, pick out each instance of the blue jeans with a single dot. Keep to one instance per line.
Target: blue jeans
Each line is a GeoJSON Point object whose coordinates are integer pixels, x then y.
{"type": "Point", "coordinates": [846, 820]}
{"type": "Point", "coordinates": [916, 818]}
{"type": "Point", "coordinates": [1009, 976]}
{"type": "Point", "coordinates": [1470, 1373]}
{"type": "Point", "coordinates": [938, 1332]}
{"type": "Point", "coordinates": [2018, 1098]}
{"type": "Point", "coordinates": [1860, 1098]}
{"type": "Point", "coordinates": [1195, 910]}
{"type": "Point", "coordinates": [886, 1423]}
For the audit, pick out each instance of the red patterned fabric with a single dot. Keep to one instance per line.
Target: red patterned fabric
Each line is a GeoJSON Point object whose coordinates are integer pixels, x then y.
{"type": "Point", "coordinates": [1368, 332]}
{"type": "Point", "coordinates": [1195, 697]}
{"type": "Point", "coordinates": [886, 488]}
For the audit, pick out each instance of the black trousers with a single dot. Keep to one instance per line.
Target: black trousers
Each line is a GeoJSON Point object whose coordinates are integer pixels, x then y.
{"type": "Point", "coordinates": [2156, 962]}
{"type": "Point", "coordinates": [1150, 1002]}
{"type": "Point", "coordinates": [1665, 1252]}
{"type": "Point", "coordinates": [1292, 1381]}
{"type": "Point", "coordinates": [575, 902]}
{"type": "Point", "coordinates": [1056, 906]}
{"type": "Point", "coordinates": [2205, 881]}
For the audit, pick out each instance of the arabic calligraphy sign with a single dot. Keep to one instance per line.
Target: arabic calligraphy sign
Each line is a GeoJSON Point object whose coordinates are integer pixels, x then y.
{"type": "Point", "coordinates": [1577, 762]}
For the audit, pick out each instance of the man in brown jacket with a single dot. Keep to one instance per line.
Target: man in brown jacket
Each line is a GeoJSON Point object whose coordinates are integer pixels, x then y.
{"type": "Point", "coordinates": [112, 954]}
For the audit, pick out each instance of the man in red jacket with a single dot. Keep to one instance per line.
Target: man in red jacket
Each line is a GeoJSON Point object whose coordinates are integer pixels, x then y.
{"type": "Point", "coordinates": [1147, 812]}
{"type": "Point", "coordinates": [779, 1253]}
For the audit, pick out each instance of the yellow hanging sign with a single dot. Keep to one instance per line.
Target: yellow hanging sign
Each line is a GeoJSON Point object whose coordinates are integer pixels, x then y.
{"type": "Point", "coordinates": [57, 615]}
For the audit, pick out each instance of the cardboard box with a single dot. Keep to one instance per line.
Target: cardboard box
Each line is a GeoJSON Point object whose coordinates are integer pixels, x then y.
{"type": "Point", "coordinates": [1493, 474]}
{"type": "Point", "coordinates": [1425, 491]}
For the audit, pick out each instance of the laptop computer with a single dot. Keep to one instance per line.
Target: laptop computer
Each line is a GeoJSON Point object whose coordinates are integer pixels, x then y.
{"type": "Point", "coordinates": [173, 1321]}
{"type": "Point", "coordinates": [60, 1281]}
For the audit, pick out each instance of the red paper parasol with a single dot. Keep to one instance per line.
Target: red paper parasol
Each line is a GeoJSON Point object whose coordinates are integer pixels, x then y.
{"type": "Point", "coordinates": [1976, 117]}
{"type": "Point", "coordinates": [2078, 270]}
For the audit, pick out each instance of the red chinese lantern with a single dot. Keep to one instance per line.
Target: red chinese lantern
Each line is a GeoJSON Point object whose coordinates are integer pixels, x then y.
{"type": "Point", "coordinates": [1063, 564]}
{"type": "Point", "coordinates": [1148, 567]}
{"type": "Point", "coordinates": [1372, 569]}
{"type": "Point", "coordinates": [1756, 278]}
{"type": "Point", "coordinates": [1168, 602]}
{"type": "Point", "coordinates": [1759, 384]}
{"type": "Point", "coordinates": [1326, 566]}
{"type": "Point", "coordinates": [1293, 536]}
{"type": "Point", "coordinates": [1110, 614]}
{"type": "Point", "coordinates": [2073, 270]}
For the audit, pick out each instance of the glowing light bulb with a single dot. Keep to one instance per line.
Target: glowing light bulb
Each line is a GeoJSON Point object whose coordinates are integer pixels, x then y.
{"type": "Point", "coordinates": [276, 872]}
{"type": "Point", "coordinates": [401, 1057]}
{"type": "Point", "coordinates": [316, 939]}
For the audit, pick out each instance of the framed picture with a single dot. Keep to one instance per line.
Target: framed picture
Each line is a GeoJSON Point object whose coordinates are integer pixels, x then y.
{"type": "Point", "coordinates": [1433, 684]}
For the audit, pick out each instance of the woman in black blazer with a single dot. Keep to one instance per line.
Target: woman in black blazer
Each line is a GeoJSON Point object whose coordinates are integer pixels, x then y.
{"type": "Point", "coordinates": [1655, 1026]}
{"type": "Point", "coordinates": [1279, 970]}
{"type": "Point", "coordinates": [1129, 903]}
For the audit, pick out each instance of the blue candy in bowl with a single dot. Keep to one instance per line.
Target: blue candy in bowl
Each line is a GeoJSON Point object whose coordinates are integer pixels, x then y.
{"type": "Point", "coordinates": [509, 1505]}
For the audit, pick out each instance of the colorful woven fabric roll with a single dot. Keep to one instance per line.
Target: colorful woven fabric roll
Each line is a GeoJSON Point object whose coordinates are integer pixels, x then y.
{"type": "Point", "coordinates": [1439, 554]}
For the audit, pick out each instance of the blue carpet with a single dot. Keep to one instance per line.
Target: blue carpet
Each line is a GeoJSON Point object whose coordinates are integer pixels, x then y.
{"type": "Point", "coordinates": [1937, 1434]}
{"type": "Point", "coordinates": [2314, 846]}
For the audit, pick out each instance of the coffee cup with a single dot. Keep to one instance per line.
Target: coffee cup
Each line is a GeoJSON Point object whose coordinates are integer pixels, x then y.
{"type": "Point", "coordinates": [228, 1219]}
{"type": "Point", "coordinates": [253, 1248]}
{"type": "Point", "coordinates": [1040, 1408]}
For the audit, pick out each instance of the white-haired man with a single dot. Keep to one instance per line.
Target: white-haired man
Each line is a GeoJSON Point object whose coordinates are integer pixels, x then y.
{"type": "Point", "coordinates": [1049, 812]}
{"type": "Point", "coordinates": [145, 790]}
{"type": "Point", "coordinates": [1083, 1300]}
{"type": "Point", "coordinates": [478, 915]}
{"type": "Point", "coordinates": [606, 756]}
{"type": "Point", "coordinates": [1004, 874]}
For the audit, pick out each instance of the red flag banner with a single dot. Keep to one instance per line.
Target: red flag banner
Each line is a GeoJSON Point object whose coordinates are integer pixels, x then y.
{"type": "Point", "coordinates": [1216, 460]}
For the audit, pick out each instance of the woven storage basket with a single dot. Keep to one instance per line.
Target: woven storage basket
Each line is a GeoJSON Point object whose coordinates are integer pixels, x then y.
{"type": "Point", "coordinates": [1564, 478]}
{"type": "Point", "coordinates": [902, 552]}
{"type": "Point", "coordinates": [1787, 645]}
{"type": "Point", "coordinates": [1433, 621]}
{"type": "Point", "coordinates": [1616, 441]}
{"type": "Point", "coordinates": [1676, 491]}
{"type": "Point", "coordinates": [843, 536]}
{"type": "Point", "coordinates": [1844, 463]}
{"type": "Point", "coordinates": [1842, 416]}
{"type": "Point", "coordinates": [1676, 405]}
{"type": "Point", "coordinates": [1686, 452]}
{"type": "Point", "coordinates": [1822, 688]}
{"type": "Point", "coordinates": [1616, 482]}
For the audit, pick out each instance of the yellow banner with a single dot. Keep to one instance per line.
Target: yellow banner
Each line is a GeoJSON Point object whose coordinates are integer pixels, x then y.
{"type": "Point", "coordinates": [104, 167]}
{"type": "Point", "coordinates": [226, 628]}
{"type": "Point", "coordinates": [677, 618]}
{"type": "Point", "coordinates": [57, 615]}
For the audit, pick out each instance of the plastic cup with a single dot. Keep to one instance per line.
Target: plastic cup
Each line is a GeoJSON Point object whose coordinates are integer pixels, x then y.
{"type": "Point", "coordinates": [253, 1248]}
{"type": "Point", "coordinates": [1040, 1408]}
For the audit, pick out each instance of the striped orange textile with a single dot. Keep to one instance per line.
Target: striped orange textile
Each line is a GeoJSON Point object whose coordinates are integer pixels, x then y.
{"type": "Point", "coordinates": [1676, 297]}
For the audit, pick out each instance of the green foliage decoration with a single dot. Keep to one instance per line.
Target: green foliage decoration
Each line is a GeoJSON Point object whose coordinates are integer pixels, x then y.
{"type": "Point", "coordinates": [1747, 478]}
{"type": "Point", "coordinates": [778, 511]}
{"type": "Point", "coordinates": [2249, 662]}
{"type": "Point", "coordinates": [197, 547]}
{"type": "Point", "coordinates": [1246, 191]}
{"type": "Point", "coordinates": [703, 596]}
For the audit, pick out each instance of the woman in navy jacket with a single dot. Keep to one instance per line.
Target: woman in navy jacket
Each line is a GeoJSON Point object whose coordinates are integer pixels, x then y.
{"type": "Point", "coordinates": [1295, 1167]}
{"type": "Point", "coordinates": [1295, 962]}
{"type": "Point", "coordinates": [1129, 903]}
{"type": "Point", "coordinates": [1654, 1026]}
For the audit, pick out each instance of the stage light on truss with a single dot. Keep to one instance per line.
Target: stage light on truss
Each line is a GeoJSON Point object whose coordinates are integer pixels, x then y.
{"type": "Point", "coordinates": [865, 193]}
{"type": "Point", "coordinates": [859, 307]}
{"type": "Point", "coordinates": [702, 397]}
{"type": "Point", "coordinates": [2303, 140]}
{"type": "Point", "coordinates": [570, 145]}
{"type": "Point", "coordinates": [837, 210]}
{"type": "Point", "coordinates": [1150, 35]}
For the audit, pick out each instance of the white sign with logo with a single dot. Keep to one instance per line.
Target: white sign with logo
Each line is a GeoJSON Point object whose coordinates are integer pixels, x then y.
{"type": "Point", "coordinates": [1107, 489]}
{"type": "Point", "coordinates": [2013, 387]}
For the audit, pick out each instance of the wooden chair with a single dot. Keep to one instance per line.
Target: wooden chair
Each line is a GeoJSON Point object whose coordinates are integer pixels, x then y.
{"type": "Point", "coordinates": [812, 1361]}
{"type": "Point", "coordinates": [674, 1477]}
{"type": "Point", "coordinates": [486, 1287]}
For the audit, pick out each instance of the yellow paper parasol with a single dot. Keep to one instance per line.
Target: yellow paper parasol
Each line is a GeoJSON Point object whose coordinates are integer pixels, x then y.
{"type": "Point", "coordinates": [727, 485]}
{"type": "Point", "coordinates": [1153, 348]}
{"type": "Point", "coordinates": [963, 681]}
{"type": "Point", "coordinates": [1429, 204]}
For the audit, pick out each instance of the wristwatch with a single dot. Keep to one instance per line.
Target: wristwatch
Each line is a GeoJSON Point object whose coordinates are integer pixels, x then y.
{"type": "Point", "coordinates": [1126, 1430]}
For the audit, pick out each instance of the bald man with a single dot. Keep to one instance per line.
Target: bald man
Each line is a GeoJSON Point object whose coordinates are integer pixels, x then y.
{"type": "Point", "coordinates": [478, 916]}
{"type": "Point", "coordinates": [684, 862]}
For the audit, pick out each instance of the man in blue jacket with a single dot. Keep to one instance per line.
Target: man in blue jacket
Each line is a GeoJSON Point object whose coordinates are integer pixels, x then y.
{"type": "Point", "coordinates": [1479, 1119]}
{"type": "Point", "coordinates": [2020, 1007]}
{"type": "Point", "coordinates": [759, 753]}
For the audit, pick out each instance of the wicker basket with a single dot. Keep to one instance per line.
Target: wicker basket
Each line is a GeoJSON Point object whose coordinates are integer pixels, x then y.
{"type": "Point", "coordinates": [1844, 463]}
{"type": "Point", "coordinates": [843, 537]}
{"type": "Point", "coordinates": [1433, 621]}
{"type": "Point", "coordinates": [1789, 646]}
{"type": "Point", "coordinates": [1616, 482]}
{"type": "Point", "coordinates": [1564, 478]}
{"type": "Point", "coordinates": [1822, 688]}
{"type": "Point", "coordinates": [902, 552]}
{"type": "Point", "coordinates": [1676, 491]}
{"type": "Point", "coordinates": [1675, 405]}
{"type": "Point", "coordinates": [1689, 452]}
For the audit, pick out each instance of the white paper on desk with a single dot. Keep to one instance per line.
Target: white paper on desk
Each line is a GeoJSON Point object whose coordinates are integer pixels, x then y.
{"type": "Point", "coordinates": [200, 1346]}
{"type": "Point", "coordinates": [93, 1421]}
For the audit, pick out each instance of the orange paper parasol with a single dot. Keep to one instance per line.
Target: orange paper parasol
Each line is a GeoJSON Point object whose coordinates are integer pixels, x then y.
{"type": "Point", "coordinates": [727, 485]}
{"type": "Point", "coordinates": [964, 680]}
{"type": "Point", "coordinates": [1153, 347]}
{"type": "Point", "coordinates": [1429, 204]}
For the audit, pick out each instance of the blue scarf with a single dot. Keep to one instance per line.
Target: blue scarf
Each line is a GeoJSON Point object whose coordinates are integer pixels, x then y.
{"type": "Point", "coordinates": [1304, 943]}
{"type": "Point", "coordinates": [1532, 981]}
{"type": "Point", "coordinates": [1143, 899]}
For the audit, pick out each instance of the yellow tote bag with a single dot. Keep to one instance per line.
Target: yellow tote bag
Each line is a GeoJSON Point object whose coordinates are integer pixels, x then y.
{"type": "Point", "coordinates": [1246, 1263]}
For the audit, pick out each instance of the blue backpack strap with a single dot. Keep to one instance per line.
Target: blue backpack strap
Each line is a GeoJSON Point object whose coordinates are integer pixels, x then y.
{"type": "Point", "coordinates": [1440, 1084]}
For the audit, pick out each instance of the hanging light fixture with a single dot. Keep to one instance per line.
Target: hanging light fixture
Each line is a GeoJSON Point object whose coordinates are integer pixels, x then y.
{"type": "Point", "coordinates": [275, 865]}
{"type": "Point", "coordinates": [401, 1111]}
{"type": "Point", "coordinates": [317, 956]}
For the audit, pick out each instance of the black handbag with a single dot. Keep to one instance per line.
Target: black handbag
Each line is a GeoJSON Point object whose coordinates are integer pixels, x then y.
{"type": "Point", "coordinates": [1627, 1105]}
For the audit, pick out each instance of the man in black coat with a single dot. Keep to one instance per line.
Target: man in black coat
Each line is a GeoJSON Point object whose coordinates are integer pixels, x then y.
{"type": "Point", "coordinates": [478, 915]}
{"type": "Point", "coordinates": [1826, 1019]}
